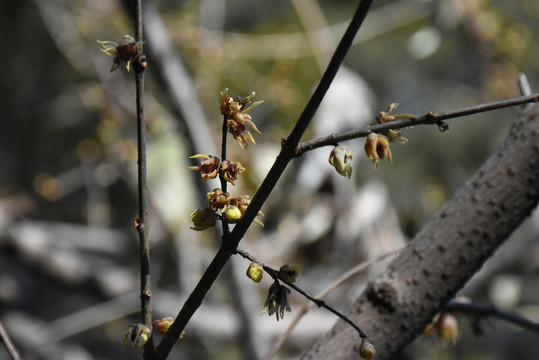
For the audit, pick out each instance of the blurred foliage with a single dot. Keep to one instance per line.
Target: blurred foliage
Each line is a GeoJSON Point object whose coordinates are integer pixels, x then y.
{"type": "Point", "coordinates": [68, 153]}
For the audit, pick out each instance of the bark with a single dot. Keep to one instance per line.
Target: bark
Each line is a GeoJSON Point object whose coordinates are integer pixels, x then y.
{"type": "Point", "coordinates": [451, 247]}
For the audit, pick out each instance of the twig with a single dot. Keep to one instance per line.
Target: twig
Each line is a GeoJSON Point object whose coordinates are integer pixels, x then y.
{"type": "Point", "coordinates": [305, 308]}
{"type": "Point", "coordinates": [429, 118]}
{"type": "Point", "coordinates": [142, 222]}
{"type": "Point", "coordinates": [478, 311]}
{"type": "Point", "coordinates": [287, 153]}
{"type": "Point", "coordinates": [317, 301]}
{"type": "Point", "coordinates": [12, 350]}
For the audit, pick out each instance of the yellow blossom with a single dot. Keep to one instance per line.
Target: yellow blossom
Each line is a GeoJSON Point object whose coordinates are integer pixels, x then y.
{"type": "Point", "coordinates": [377, 147]}
{"type": "Point", "coordinates": [341, 159]}
{"type": "Point", "coordinates": [127, 50]}
{"type": "Point", "coordinates": [209, 168]}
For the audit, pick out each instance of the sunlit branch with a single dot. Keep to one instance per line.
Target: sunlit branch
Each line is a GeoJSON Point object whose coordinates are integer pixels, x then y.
{"type": "Point", "coordinates": [429, 118]}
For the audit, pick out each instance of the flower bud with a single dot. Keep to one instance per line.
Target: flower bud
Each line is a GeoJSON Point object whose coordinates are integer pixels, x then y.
{"type": "Point", "coordinates": [448, 329]}
{"type": "Point", "coordinates": [341, 159]}
{"type": "Point", "coordinates": [232, 214]}
{"type": "Point", "coordinates": [255, 272]}
{"type": "Point", "coordinates": [289, 273]}
{"type": "Point", "coordinates": [137, 334]}
{"type": "Point", "coordinates": [203, 219]}
{"type": "Point", "coordinates": [366, 349]}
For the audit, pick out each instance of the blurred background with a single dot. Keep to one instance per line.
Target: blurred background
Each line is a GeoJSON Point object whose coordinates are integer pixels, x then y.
{"type": "Point", "coordinates": [68, 247]}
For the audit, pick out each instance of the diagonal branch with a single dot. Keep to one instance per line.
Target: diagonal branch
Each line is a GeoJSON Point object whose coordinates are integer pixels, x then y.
{"type": "Point", "coordinates": [287, 153]}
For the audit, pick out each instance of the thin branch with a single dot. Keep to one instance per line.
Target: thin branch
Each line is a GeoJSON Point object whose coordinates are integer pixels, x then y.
{"type": "Point", "coordinates": [305, 308]}
{"type": "Point", "coordinates": [12, 350]}
{"type": "Point", "coordinates": [317, 301]}
{"type": "Point", "coordinates": [479, 311]}
{"type": "Point", "coordinates": [142, 222]}
{"type": "Point", "coordinates": [287, 153]}
{"type": "Point", "coordinates": [429, 118]}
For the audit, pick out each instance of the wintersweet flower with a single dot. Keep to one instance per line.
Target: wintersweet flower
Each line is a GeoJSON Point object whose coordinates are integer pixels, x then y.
{"type": "Point", "coordinates": [237, 116]}
{"type": "Point", "coordinates": [209, 168]}
{"type": "Point", "coordinates": [341, 159]}
{"type": "Point", "coordinates": [242, 203]}
{"type": "Point", "coordinates": [137, 334]}
{"type": "Point", "coordinates": [231, 170]}
{"type": "Point", "coordinates": [127, 50]}
{"type": "Point", "coordinates": [277, 300]}
{"type": "Point", "coordinates": [218, 199]}
{"type": "Point", "coordinates": [377, 147]}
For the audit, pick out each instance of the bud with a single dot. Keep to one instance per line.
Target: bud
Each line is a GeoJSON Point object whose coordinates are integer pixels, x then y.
{"type": "Point", "coordinates": [341, 159]}
{"type": "Point", "coordinates": [137, 334]}
{"type": "Point", "coordinates": [162, 325]}
{"type": "Point", "coordinates": [203, 219]}
{"type": "Point", "coordinates": [289, 273]}
{"type": "Point", "coordinates": [448, 329]}
{"type": "Point", "coordinates": [366, 349]}
{"type": "Point", "coordinates": [232, 214]}
{"type": "Point", "coordinates": [255, 272]}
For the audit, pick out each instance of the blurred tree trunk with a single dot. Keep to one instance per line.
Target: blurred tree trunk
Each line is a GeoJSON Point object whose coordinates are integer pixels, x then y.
{"type": "Point", "coordinates": [452, 246]}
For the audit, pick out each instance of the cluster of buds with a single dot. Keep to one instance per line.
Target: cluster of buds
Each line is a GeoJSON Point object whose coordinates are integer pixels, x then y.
{"type": "Point", "coordinates": [237, 116]}
{"type": "Point", "coordinates": [231, 208]}
{"type": "Point", "coordinates": [127, 50]}
{"type": "Point", "coordinates": [377, 145]}
{"type": "Point", "coordinates": [446, 327]}
{"type": "Point", "coordinates": [211, 166]}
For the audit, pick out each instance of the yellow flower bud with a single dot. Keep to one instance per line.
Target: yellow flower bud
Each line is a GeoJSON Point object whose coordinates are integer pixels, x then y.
{"type": "Point", "coordinates": [341, 159]}
{"type": "Point", "coordinates": [255, 272]}
{"type": "Point", "coordinates": [366, 349]}
{"type": "Point", "coordinates": [232, 214]}
{"type": "Point", "coordinates": [289, 273]}
{"type": "Point", "coordinates": [448, 329]}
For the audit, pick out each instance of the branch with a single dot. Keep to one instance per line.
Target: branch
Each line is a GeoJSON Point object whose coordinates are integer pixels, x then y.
{"type": "Point", "coordinates": [450, 248]}
{"type": "Point", "coordinates": [275, 274]}
{"type": "Point", "coordinates": [429, 118]}
{"type": "Point", "coordinates": [287, 153]}
{"type": "Point", "coordinates": [142, 222]}
{"type": "Point", "coordinates": [305, 308]}
{"type": "Point", "coordinates": [478, 311]}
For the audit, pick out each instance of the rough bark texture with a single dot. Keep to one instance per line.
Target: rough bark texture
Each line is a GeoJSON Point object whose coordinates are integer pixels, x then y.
{"type": "Point", "coordinates": [452, 246]}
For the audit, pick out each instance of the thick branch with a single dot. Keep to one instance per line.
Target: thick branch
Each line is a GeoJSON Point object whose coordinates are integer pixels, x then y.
{"type": "Point", "coordinates": [451, 247]}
